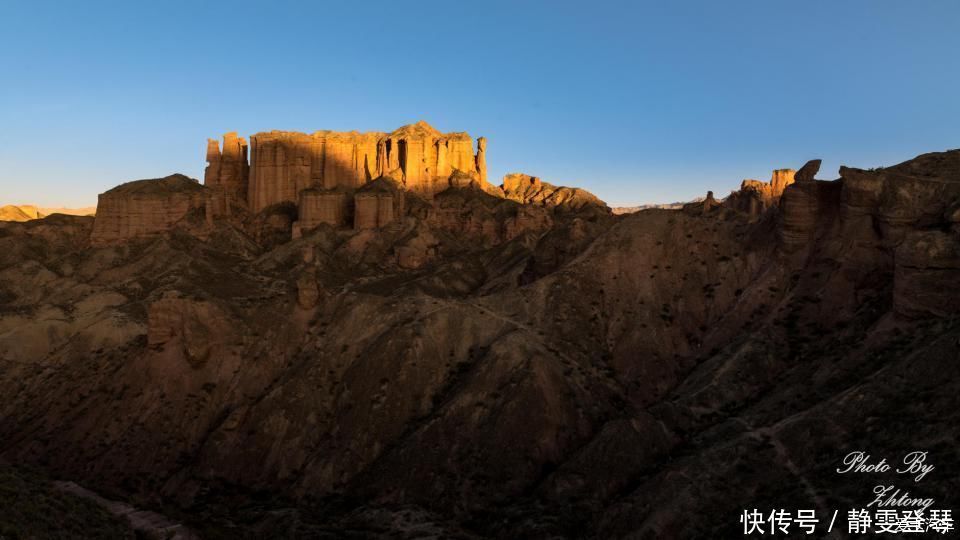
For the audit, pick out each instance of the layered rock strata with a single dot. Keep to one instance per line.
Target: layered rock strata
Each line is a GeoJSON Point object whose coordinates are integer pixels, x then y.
{"type": "Point", "coordinates": [377, 204]}
{"type": "Point", "coordinates": [229, 169]}
{"type": "Point", "coordinates": [285, 163]}
{"type": "Point", "coordinates": [227, 176]}
{"type": "Point", "coordinates": [911, 209]}
{"type": "Point", "coordinates": [295, 182]}
{"type": "Point", "coordinates": [145, 208]}
{"type": "Point", "coordinates": [902, 219]}
{"type": "Point", "coordinates": [319, 206]}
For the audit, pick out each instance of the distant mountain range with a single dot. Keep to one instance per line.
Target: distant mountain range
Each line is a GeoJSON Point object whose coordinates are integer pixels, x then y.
{"type": "Point", "coordinates": [26, 212]}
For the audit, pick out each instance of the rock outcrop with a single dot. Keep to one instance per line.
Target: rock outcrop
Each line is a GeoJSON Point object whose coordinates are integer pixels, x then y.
{"type": "Point", "coordinates": [703, 206]}
{"type": "Point", "coordinates": [910, 209]}
{"type": "Point", "coordinates": [145, 208]}
{"type": "Point", "coordinates": [527, 189]}
{"type": "Point", "coordinates": [808, 171]}
{"type": "Point", "coordinates": [23, 212]}
{"type": "Point", "coordinates": [804, 204]}
{"type": "Point", "coordinates": [900, 220]}
{"type": "Point", "coordinates": [482, 159]}
{"type": "Point", "coordinates": [427, 157]}
{"type": "Point", "coordinates": [319, 206]}
{"type": "Point", "coordinates": [228, 170]}
{"type": "Point", "coordinates": [226, 177]}
{"type": "Point", "coordinates": [755, 197]}
{"type": "Point", "coordinates": [282, 164]}
{"type": "Point", "coordinates": [473, 213]}
{"type": "Point", "coordinates": [918, 193]}
{"type": "Point", "coordinates": [378, 204]}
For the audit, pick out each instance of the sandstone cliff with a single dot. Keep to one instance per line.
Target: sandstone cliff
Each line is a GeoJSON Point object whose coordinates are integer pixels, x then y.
{"type": "Point", "coordinates": [427, 157]}
{"type": "Point", "coordinates": [145, 207]}
{"type": "Point", "coordinates": [319, 206]}
{"type": "Point", "coordinates": [378, 204]}
{"type": "Point", "coordinates": [755, 196]}
{"type": "Point", "coordinates": [228, 170]}
{"type": "Point", "coordinates": [285, 163]}
{"type": "Point", "coordinates": [226, 178]}
{"type": "Point", "coordinates": [282, 164]}
{"type": "Point", "coordinates": [329, 178]}
{"type": "Point", "coordinates": [900, 220]}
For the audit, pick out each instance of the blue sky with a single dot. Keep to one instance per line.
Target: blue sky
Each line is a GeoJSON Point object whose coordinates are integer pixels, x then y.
{"type": "Point", "coordinates": [636, 101]}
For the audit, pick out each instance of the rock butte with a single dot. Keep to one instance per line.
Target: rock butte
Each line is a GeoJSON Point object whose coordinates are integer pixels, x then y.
{"type": "Point", "coordinates": [145, 207]}
{"type": "Point", "coordinates": [283, 164]}
{"type": "Point", "coordinates": [302, 181]}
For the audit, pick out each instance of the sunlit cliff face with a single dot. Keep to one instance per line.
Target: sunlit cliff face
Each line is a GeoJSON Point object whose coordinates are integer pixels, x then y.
{"type": "Point", "coordinates": [283, 164]}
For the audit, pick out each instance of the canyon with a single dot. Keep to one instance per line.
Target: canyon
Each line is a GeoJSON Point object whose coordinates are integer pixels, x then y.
{"type": "Point", "coordinates": [358, 335]}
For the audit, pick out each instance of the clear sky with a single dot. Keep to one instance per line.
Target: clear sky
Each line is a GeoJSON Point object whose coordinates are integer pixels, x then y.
{"type": "Point", "coordinates": [636, 101]}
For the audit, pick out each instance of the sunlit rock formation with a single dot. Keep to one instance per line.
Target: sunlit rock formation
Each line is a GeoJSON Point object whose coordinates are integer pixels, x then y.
{"type": "Point", "coordinates": [283, 163]}
{"type": "Point", "coordinates": [23, 212]}
{"type": "Point", "coordinates": [377, 204]}
{"type": "Point", "coordinates": [229, 169]}
{"type": "Point", "coordinates": [226, 176]}
{"type": "Point", "coordinates": [756, 196]}
{"type": "Point", "coordinates": [145, 208]}
{"type": "Point", "coordinates": [527, 189]}
{"type": "Point", "coordinates": [427, 157]}
{"type": "Point", "coordinates": [289, 183]}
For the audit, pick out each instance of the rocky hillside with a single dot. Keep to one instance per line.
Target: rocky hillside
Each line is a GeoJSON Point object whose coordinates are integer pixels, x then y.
{"type": "Point", "coordinates": [26, 212]}
{"type": "Point", "coordinates": [483, 366]}
{"type": "Point", "coordinates": [23, 212]}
